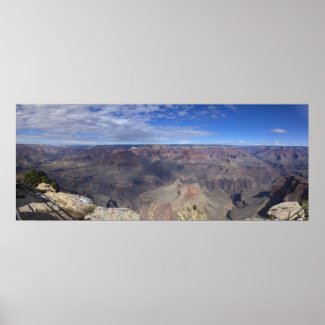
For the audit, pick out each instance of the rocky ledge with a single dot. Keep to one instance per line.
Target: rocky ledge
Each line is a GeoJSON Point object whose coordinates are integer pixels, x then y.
{"type": "Point", "coordinates": [82, 207]}
{"type": "Point", "coordinates": [46, 203]}
{"type": "Point", "coordinates": [287, 211]}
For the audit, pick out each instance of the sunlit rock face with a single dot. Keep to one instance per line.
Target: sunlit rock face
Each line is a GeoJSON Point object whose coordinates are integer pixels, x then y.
{"type": "Point", "coordinates": [43, 187]}
{"type": "Point", "coordinates": [287, 211]}
{"type": "Point", "coordinates": [112, 214]}
{"type": "Point", "coordinates": [40, 205]}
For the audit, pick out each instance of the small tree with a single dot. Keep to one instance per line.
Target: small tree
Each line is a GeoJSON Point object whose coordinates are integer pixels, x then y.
{"type": "Point", "coordinates": [32, 178]}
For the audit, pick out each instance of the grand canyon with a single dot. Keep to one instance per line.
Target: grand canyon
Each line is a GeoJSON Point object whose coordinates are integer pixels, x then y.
{"type": "Point", "coordinates": [185, 162]}
{"type": "Point", "coordinates": [175, 182]}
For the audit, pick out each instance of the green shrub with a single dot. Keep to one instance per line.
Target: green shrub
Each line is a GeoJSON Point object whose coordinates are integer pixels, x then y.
{"type": "Point", "coordinates": [31, 178]}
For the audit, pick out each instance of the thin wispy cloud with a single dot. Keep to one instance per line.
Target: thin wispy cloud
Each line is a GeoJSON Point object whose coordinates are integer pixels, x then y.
{"type": "Point", "coordinates": [233, 108]}
{"type": "Point", "coordinates": [279, 131]}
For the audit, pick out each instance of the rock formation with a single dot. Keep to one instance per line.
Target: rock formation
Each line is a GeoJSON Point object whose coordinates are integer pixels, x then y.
{"type": "Point", "coordinates": [290, 188]}
{"type": "Point", "coordinates": [66, 206]}
{"type": "Point", "coordinates": [44, 187]}
{"type": "Point", "coordinates": [76, 205]}
{"type": "Point", "coordinates": [287, 211]}
{"type": "Point", "coordinates": [179, 201]}
{"type": "Point", "coordinates": [287, 189]}
{"type": "Point", "coordinates": [113, 214]}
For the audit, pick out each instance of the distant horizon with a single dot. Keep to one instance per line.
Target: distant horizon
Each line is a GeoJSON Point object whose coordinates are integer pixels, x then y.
{"type": "Point", "coordinates": [156, 144]}
{"type": "Point", "coordinates": [227, 124]}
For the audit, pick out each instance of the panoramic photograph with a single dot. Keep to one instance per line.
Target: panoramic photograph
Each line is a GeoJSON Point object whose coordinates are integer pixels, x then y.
{"type": "Point", "coordinates": [147, 162]}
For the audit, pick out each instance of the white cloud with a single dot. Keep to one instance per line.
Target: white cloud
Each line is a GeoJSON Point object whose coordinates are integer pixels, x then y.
{"type": "Point", "coordinates": [182, 113]}
{"type": "Point", "coordinates": [233, 108]}
{"type": "Point", "coordinates": [279, 131]}
{"type": "Point", "coordinates": [103, 124]}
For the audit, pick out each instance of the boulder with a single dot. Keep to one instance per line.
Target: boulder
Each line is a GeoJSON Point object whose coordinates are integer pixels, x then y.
{"type": "Point", "coordinates": [113, 214]}
{"type": "Point", "coordinates": [287, 211]}
{"type": "Point", "coordinates": [76, 205]}
{"type": "Point", "coordinates": [44, 187]}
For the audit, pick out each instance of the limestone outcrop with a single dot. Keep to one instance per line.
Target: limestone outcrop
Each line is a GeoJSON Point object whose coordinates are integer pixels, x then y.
{"type": "Point", "coordinates": [44, 187]}
{"type": "Point", "coordinates": [65, 206]}
{"type": "Point", "coordinates": [287, 211]}
{"type": "Point", "coordinates": [78, 206]}
{"type": "Point", "coordinates": [113, 214]}
{"type": "Point", "coordinates": [82, 207]}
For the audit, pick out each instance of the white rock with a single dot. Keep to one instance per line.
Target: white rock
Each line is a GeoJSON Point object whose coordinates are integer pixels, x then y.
{"type": "Point", "coordinates": [113, 214]}
{"type": "Point", "coordinates": [43, 187]}
{"type": "Point", "coordinates": [85, 200]}
{"type": "Point", "coordinates": [287, 211]}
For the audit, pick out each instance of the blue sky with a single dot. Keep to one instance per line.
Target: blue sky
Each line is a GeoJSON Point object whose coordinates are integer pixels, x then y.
{"type": "Point", "coordinates": [162, 124]}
